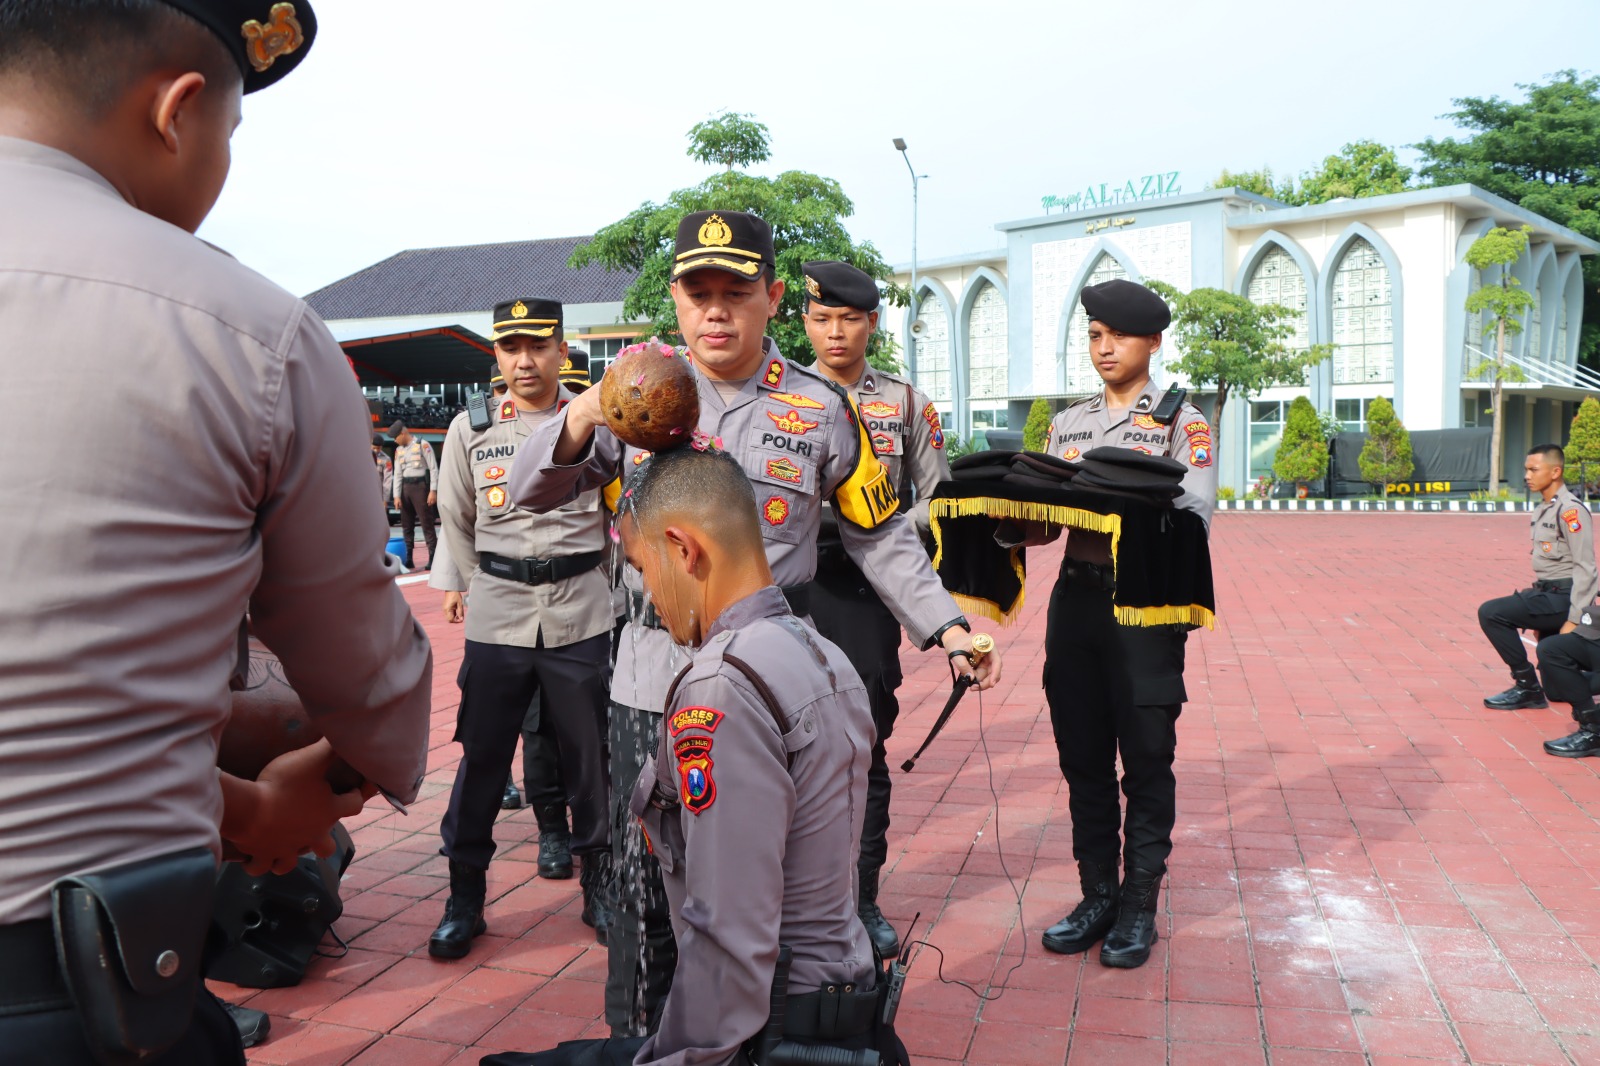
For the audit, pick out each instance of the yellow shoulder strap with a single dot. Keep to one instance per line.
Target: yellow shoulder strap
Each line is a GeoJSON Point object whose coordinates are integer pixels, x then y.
{"type": "Point", "coordinates": [867, 497]}
{"type": "Point", "coordinates": [611, 494]}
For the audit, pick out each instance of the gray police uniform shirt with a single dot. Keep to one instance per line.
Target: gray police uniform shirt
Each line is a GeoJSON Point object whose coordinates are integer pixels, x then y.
{"type": "Point", "coordinates": [799, 446]}
{"type": "Point", "coordinates": [906, 435]}
{"type": "Point", "coordinates": [415, 460]}
{"type": "Point", "coordinates": [753, 827]}
{"type": "Point", "coordinates": [128, 560]}
{"type": "Point", "coordinates": [1090, 423]}
{"type": "Point", "coordinates": [477, 514]}
{"type": "Point", "coordinates": [1563, 549]}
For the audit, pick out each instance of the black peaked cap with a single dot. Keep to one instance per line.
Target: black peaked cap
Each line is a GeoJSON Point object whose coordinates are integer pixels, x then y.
{"type": "Point", "coordinates": [731, 241]}
{"type": "Point", "coordinates": [532, 317]}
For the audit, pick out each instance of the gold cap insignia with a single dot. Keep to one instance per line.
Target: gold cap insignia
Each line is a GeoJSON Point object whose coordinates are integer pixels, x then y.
{"type": "Point", "coordinates": [715, 232]}
{"type": "Point", "coordinates": [567, 365]}
{"type": "Point", "coordinates": [280, 35]}
{"type": "Point", "coordinates": [519, 310]}
{"type": "Point", "coordinates": [812, 288]}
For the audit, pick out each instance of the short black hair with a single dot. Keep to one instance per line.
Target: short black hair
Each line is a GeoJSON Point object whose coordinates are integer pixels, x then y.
{"type": "Point", "coordinates": [89, 52]}
{"type": "Point", "coordinates": [708, 485]}
{"type": "Point", "coordinates": [1552, 452]}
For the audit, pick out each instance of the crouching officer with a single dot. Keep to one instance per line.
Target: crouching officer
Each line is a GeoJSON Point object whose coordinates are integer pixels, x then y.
{"type": "Point", "coordinates": [750, 801]}
{"type": "Point", "coordinates": [841, 315]}
{"type": "Point", "coordinates": [1112, 688]}
{"type": "Point", "coordinates": [1564, 580]}
{"type": "Point", "coordinates": [538, 624]}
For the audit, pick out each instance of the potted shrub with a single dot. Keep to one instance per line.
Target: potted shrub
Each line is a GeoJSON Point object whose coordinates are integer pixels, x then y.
{"type": "Point", "coordinates": [1303, 454]}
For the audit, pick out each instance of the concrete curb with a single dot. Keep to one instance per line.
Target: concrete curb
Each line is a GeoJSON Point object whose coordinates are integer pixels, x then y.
{"type": "Point", "coordinates": [1460, 506]}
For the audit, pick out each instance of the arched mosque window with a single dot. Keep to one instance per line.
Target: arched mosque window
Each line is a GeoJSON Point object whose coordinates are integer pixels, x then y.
{"type": "Point", "coordinates": [987, 351]}
{"type": "Point", "coordinates": [1363, 317]}
{"type": "Point", "coordinates": [933, 349]}
{"type": "Point", "coordinates": [1080, 372]}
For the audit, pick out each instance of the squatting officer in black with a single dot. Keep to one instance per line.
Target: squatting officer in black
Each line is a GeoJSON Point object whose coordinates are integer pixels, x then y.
{"type": "Point", "coordinates": [1564, 579]}
{"type": "Point", "coordinates": [841, 314]}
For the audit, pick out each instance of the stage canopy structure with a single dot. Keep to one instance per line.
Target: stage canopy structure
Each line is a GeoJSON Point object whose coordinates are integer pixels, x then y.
{"type": "Point", "coordinates": [444, 355]}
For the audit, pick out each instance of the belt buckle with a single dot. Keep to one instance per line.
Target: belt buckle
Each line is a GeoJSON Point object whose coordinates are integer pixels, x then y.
{"type": "Point", "coordinates": [539, 571]}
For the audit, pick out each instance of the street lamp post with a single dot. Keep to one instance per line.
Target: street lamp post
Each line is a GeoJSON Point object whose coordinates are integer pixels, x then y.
{"type": "Point", "coordinates": [900, 146]}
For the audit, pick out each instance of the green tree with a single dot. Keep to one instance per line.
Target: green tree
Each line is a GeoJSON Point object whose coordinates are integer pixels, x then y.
{"type": "Point", "coordinates": [1505, 303]}
{"type": "Point", "coordinates": [1583, 443]}
{"type": "Point", "coordinates": [1303, 453]}
{"type": "Point", "coordinates": [1386, 457]}
{"type": "Point", "coordinates": [1360, 168]}
{"type": "Point", "coordinates": [1542, 152]}
{"type": "Point", "coordinates": [806, 212]}
{"type": "Point", "coordinates": [1036, 431]}
{"type": "Point", "coordinates": [1233, 345]}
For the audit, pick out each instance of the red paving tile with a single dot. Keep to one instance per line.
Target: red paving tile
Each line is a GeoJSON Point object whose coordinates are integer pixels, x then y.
{"type": "Point", "coordinates": [1369, 867]}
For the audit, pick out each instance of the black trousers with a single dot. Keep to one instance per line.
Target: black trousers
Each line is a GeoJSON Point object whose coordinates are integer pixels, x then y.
{"type": "Point", "coordinates": [55, 1038]}
{"type": "Point", "coordinates": [848, 612]}
{"type": "Point", "coordinates": [1567, 663]}
{"type": "Point", "coordinates": [642, 950]}
{"type": "Point", "coordinates": [497, 684]}
{"type": "Point", "coordinates": [414, 505]}
{"type": "Point", "coordinates": [1536, 609]}
{"type": "Point", "coordinates": [542, 784]}
{"type": "Point", "coordinates": [1114, 689]}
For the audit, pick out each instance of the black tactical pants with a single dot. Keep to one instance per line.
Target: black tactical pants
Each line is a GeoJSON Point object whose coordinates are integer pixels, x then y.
{"type": "Point", "coordinates": [1567, 662]}
{"type": "Point", "coordinates": [414, 505]}
{"type": "Point", "coordinates": [1541, 610]}
{"type": "Point", "coordinates": [497, 684]}
{"type": "Point", "coordinates": [1114, 689]}
{"type": "Point", "coordinates": [643, 951]}
{"type": "Point", "coordinates": [846, 610]}
{"type": "Point", "coordinates": [542, 784]}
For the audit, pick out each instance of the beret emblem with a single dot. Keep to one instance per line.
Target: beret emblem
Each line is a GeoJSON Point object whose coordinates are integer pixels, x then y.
{"type": "Point", "coordinates": [519, 310]}
{"type": "Point", "coordinates": [280, 35]}
{"type": "Point", "coordinates": [812, 288]}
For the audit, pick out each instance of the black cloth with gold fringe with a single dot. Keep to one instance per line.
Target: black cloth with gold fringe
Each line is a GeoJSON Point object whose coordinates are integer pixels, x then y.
{"type": "Point", "coordinates": [1162, 554]}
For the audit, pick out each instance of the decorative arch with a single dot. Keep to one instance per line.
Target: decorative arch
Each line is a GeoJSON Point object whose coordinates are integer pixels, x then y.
{"type": "Point", "coordinates": [1102, 247]}
{"type": "Point", "coordinates": [1320, 378]}
{"type": "Point", "coordinates": [969, 299]}
{"type": "Point", "coordinates": [927, 286]}
{"type": "Point", "coordinates": [1391, 261]}
{"type": "Point", "coordinates": [1458, 286]}
{"type": "Point", "coordinates": [1542, 283]}
{"type": "Point", "coordinates": [1569, 293]}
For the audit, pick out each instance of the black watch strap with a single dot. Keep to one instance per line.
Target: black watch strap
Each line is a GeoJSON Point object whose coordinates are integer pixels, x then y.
{"type": "Point", "coordinates": [938, 635]}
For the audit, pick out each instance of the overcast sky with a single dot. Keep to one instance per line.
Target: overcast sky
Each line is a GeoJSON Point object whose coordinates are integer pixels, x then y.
{"type": "Point", "coordinates": [420, 124]}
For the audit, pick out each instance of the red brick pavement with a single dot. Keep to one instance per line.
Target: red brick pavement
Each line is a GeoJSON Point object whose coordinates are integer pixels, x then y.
{"type": "Point", "coordinates": [1370, 867]}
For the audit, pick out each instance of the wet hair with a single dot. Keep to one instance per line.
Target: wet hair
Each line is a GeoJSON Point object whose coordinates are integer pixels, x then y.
{"type": "Point", "coordinates": [88, 53]}
{"type": "Point", "coordinates": [1552, 453]}
{"type": "Point", "coordinates": [709, 487]}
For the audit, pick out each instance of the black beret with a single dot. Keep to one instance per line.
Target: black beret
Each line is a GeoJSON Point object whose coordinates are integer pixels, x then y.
{"type": "Point", "coordinates": [531, 317]}
{"type": "Point", "coordinates": [835, 284]}
{"type": "Point", "coordinates": [1130, 468]}
{"type": "Point", "coordinates": [377, 440]}
{"type": "Point", "coordinates": [575, 371]}
{"type": "Point", "coordinates": [398, 428]}
{"type": "Point", "coordinates": [266, 39]}
{"type": "Point", "coordinates": [734, 241]}
{"type": "Point", "coordinates": [1126, 307]}
{"type": "Point", "coordinates": [1038, 464]}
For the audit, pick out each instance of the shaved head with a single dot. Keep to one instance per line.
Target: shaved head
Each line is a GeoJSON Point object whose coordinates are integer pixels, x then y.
{"type": "Point", "coordinates": [708, 490]}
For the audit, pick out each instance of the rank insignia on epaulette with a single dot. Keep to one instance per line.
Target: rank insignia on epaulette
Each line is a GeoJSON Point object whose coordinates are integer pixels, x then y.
{"type": "Point", "coordinates": [508, 410]}
{"type": "Point", "coordinates": [694, 718]}
{"type": "Point", "coordinates": [794, 399]}
{"type": "Point", "coordinates": [774, 375]}
{"type": "Point", "coordinates": [696, 788]}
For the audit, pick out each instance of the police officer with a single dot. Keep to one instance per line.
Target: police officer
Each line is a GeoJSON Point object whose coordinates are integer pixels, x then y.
{"type": "Point", "coordinates": [385, 467]}
{"type": "Point", "coordinates": [575, 371]}
{"type": "Point", "coordinates": [497, 386]}
{"type": "Point", "coordinates": [416, 485]}
{"type": "Point", "coordinates": [539, 622]}
{"type": "Point", "coordinates": [1568, 662]}
{"type": "Point", "coordinates": [841, 315]}
{"type": "Point", "coordinates": [1116, 689]}
{"type": "Point", "coordinates": [128, 571]}
{"type": "Point", "coordinates": [802, 444]}
{"type": "Point", "coordinates": [1564, 579]}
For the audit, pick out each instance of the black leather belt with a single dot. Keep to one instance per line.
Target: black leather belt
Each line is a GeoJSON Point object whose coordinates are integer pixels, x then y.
{"type": "Point", "coordinates": [30, 978]}
{"type": "Point", "coordinates": [420, 478]}
{"type": "Point", "coordinates": [1090, 575]}
{"type": "Point", "coordinates": [1554, 586]}
{"type": "Point", "coordinates": [799, 597]}
{"type": "Point", "coordinates": [539, 571]}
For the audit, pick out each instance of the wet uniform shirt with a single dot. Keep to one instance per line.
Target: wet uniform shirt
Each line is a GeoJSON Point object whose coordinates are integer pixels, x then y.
{"type": "Point", "coordinates": [415, 460]}
{"type": "Point", "coordinates": [478, 515]}
{"type": "Point", "coordinates": [1089, 423]}
{"type": "Point", "coordinates": [801, 448]}
{"type": "Point", "coordinates": [1563, 548]}
{"type": "Point", "coordinates": [751, 823]}
{"type": "Point", "coordinates": [906, 435]}
{"type": "Point", "coordinates": [127, 569]}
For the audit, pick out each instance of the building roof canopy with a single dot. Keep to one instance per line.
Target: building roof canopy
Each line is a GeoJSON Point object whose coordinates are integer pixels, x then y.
{"type": "Point", "coordinates": [449, 354]}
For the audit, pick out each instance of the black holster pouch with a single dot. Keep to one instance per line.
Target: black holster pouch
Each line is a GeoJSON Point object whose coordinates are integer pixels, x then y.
{"type": "Point", "coordinates": [130, 942]}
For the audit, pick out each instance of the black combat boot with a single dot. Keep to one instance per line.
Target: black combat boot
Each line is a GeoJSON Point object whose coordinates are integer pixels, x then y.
{"type": "Point", "coordinates": [463, 913]}
{"type": "Point", "coordinates": [879, 931]}
{"type": "Point", "coordinates": [595, 880]}
{"type": "Point", "coordinates": [1586, 741]}
{"type": "Point", "coordinates": [555, 842]}
{"type": "Point", "coordinates": [1524, 693]}
{"type": "Point", "coordinates": [1130, 939]}
{"type": "Point", "coordinates": [1091, 918]}
{"type": "Point", "coordinates": [512, 800]}
{"type": "Point", "coordinates": [253, 1025]}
